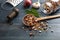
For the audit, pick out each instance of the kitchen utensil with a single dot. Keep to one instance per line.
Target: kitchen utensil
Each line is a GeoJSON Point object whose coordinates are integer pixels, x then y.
{"type": "Point", "coordinates": [10, 4]}
{"type": "Point", "coordinates": [41, 18]}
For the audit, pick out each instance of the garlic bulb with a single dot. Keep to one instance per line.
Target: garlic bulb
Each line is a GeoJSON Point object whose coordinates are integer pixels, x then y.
{"type": "Point", "coordinates": [36, 5]}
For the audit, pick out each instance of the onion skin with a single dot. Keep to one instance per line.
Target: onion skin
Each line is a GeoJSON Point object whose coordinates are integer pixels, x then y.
{"type": "Point", "coordinates": [27, 3]}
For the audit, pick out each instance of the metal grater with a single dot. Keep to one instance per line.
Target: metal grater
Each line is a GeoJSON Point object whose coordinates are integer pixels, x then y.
{"type": "Point", "coordinates": [14, 2]}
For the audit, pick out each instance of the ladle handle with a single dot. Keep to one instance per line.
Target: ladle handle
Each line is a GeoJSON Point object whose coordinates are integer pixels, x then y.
{"type": "Point", "coordinates": [48, 17]}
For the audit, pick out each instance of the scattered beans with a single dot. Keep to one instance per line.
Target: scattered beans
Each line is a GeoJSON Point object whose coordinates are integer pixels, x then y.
{"type": "Point", "coordinates": [40, 31]}
{"type": "Point", "coordinates": [52, 30]}
{"type": "Point", "coordinates": [49, 26]}
{"type": "Point", "coordinates": [29, 20]}
{"type": "Point", "coordinates": [31, 34]}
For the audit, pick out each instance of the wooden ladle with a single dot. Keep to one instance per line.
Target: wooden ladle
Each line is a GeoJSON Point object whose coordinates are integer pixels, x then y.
{"type": "Point", "coordinates": [38, 19]}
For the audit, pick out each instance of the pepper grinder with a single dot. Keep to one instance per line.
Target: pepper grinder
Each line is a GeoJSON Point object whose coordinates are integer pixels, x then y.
{"type": "Point", "coordinates": [13, 14]}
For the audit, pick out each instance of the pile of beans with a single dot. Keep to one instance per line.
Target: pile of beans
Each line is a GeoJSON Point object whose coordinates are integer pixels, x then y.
{"type": "Point", "coordinates": [51, 5]}
{"type": "Point", "coordinates": [29, 20]}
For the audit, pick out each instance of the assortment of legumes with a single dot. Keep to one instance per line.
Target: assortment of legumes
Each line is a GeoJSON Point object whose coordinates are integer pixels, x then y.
{"type": "Point", "coordinates": [51, 6]}
{"type": "Point", "coordinates": [29, 20]}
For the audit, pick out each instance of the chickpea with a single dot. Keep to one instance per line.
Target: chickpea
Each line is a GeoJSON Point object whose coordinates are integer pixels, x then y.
{"type": "Point", "coordinates": [54, 5]}
{"type": "Point", "coordinates": [58, 3]}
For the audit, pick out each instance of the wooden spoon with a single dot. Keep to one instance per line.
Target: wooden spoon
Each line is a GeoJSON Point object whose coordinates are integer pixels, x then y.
{"type": "Point", "coordinates": [48, 17]}
{"type": "Point", "coordinates": [38, 19]}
